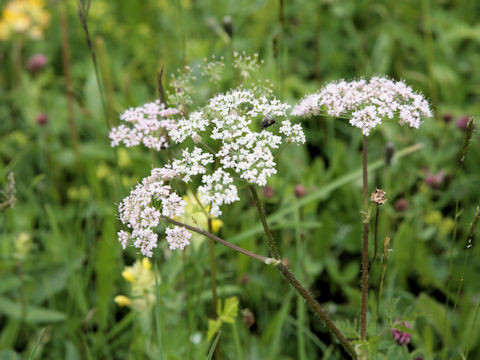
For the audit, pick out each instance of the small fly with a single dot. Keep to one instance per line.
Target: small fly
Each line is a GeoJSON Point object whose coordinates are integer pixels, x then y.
{"type": "Point", "coordinates": [266, 122]}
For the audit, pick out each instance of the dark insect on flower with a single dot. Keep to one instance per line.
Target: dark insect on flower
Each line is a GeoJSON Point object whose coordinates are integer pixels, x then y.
{"type": "Point", "coordinates": [266, 122]}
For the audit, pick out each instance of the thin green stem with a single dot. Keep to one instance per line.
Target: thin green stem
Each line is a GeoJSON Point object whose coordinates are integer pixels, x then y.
{"type": "Point", "coordinates": [213, 268]}
{"type": "Point", "coordinates": [158, 315]}
{"type": "Point", "coordinates": [363, 319]}
{"type": "Point", "coordinates": [236, 339]}
{"type": "Point", "coordinates": [271, 240]}
{"type": "Point", "coordinates": [68, 84]}
{"type": "Point", "coordinates": [382, 278]}
{"type": "Point", "coordinates": [375, 236]}
{"type": "Point", "coordinates": [301, 347]}
{"type": "Point", "coordinates": [473, 328]}
{"type": "Point", "coordinates": [213, 276]}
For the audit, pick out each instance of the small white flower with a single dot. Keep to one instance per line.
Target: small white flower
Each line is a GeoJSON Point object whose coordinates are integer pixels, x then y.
{"type": "Point", "coordinates": [217, 189]}
{"type": "Point", "coordinates": [178, 237]}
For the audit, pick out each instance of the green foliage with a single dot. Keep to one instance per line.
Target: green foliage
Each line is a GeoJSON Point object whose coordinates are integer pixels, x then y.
{"type": "Point", "coordinates": [226, 314]}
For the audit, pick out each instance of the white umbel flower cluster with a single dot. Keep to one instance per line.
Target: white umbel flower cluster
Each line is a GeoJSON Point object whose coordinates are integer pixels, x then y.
{"type": "Point", "coordinates": [367, 103]}
{"type": "Point", "coordinates": [234, 121]}
{"type": "Point", "coordinates": [142, 210]}
{"type": "Point", "coordinates": [148, 124]}
{"type": "Point", "coordinates": [229, 118]}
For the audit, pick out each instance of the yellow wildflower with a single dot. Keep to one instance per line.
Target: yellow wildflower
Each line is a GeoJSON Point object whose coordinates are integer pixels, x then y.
{"type": "Point", "coordinates": [128, 276]}
{"type": "Point", "coordinates": [122, 300]}
{"type": "Point", "coordinates": [142, 280]}
{"type": "Point", "coordinates": [23, 18]}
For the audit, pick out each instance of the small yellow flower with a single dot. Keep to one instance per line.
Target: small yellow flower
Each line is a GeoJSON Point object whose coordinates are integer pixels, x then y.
{"type": "Point", "coordinates": [122, 300]}
{"type": "Point", "coordinates": [128, 276]}
{"type": "Point", "coordinates": [216, 225]}
{"type": "Point", "coordinates": [147, 265]}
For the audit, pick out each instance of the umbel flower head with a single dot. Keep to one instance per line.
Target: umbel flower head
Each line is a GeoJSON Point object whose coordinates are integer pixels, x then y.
{"type": "Point", "coordinates": [367, 103]}
{"type": "Point", "coordinates": [243, 152]}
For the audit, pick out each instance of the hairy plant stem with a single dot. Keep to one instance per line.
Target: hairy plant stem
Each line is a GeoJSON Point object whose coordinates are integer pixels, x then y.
{"type": "Point", "coordinates": [317, 308]}
{"type": "Point", "coordinates": [221, 241]}
{"type": "Point", "coordinates": [287, 274]}
{"type": "Point", "coordinates": [271, 241]}
{"type": "Point", "coordinates": [366, 224]}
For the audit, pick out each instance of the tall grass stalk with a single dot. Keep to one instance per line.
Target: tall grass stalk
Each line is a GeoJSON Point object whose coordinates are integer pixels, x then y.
{"type": "Point", "coordinates": [236, 339]}
{"type": "Point", "coordinates": [463, 152]}
{"type": "Point", "coordinates": [473, 329]}
{"type": "Point", "coordinates": [158, 315]}
{"type": "Point", "coordinates": [83, 9]}
{"type": "Point", "coordinates": [37, 344]}
{"type": "Point", "coordinates": [468, 246]}
{"type": "Point", "coordinates": [106, 78]}
{"type": "Point", "coordinates": [68, 83]}
{"type": "Point", "coordinates": [382, 277]}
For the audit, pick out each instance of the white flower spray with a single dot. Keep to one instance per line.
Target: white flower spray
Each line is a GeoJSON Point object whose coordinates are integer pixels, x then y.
{"type": "Point", "coordinates": [234, 144]}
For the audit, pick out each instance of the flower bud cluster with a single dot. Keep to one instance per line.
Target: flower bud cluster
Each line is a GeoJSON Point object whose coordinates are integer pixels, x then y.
{"type": "Point", "coordinates": [367, 103]}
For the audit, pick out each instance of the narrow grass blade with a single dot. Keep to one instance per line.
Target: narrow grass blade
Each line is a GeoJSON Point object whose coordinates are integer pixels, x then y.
{"type": "Point", "coordinates": [213, 347]}
{"type": "Point", "coordinates": [37, 343]}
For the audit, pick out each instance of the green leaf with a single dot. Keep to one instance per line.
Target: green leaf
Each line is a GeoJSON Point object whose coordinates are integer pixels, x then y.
{"type": "Point", "coordinates": [230, 310]}
{"type": "Point", "coordinates": [32, 315]}
{"type": "Point", "coordinates": [213, 327]}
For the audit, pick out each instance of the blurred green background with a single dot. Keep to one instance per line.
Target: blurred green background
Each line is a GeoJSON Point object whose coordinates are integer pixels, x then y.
{"type": "Point", "coordinates": [60, 262]}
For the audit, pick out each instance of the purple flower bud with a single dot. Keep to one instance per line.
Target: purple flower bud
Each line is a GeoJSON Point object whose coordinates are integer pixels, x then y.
{"type": "Point", "coordinates": [401, 205]}
{"type": "Point", "coordinates": [462, 122]}
{"type": "Point", "coordinates": [435, 181]}
{"type": "Point", "coordinates": [447, 117]}
{"type": "Point", "coordinates": [268, 192]}
{"type": "Point", "coordinates": [36, 63]}
{"type": "Point", "coordinates": [300, 191]}
{"type": "Point", "coordinates": [401, 337]}
{"type": "Point", "coordinates": [41, 119]}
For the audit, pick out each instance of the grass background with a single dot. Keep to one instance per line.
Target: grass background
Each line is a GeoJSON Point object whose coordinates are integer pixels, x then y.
{"type": "Point", "coordinates": [66, 200]}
